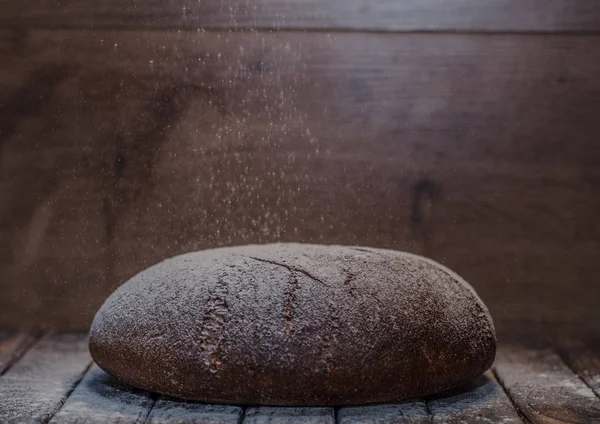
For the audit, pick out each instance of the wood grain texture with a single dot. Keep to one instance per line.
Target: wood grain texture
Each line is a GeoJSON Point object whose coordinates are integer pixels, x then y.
{"type": "Point", "coordinates": [172, 411]}
{"type": "Point", "coordinates": [99, 398]}
{"type": "Point", "coordinates": [289, 415]}
{"type": "Point", "coordinates": [381, 15]}
{"type": "Point", "coordinates": [56, 356]}
{"type": "Point", "coordinates": [121, 149]}
{"type": "Point", "coordinates": [583, 357]}
{"type": "Point", "coordinates": [481, 401]}
{"type": "Point", "coordinates": [404, 413]}
{"type": "Point", "coordinates": [46, 384]}
{"type": "Point", "coordinates": [13, 343]}
{"type": "Point", "coordinates": [35, 387]}
{"type": "Point", "coordinates": [543, 388]}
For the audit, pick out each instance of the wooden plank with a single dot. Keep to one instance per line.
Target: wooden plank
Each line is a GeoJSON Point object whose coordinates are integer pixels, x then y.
{"type": "Point", "coordinates": [56, 356]}
{"type": "Point", "coordinates": [13, 344]}
{"type": "Point", "coordinates": [382, 15]}
{"type": "Point", "coordinates": [402, 413]}
{"type": "Point", "coordinates": [543, 388]}
{"type": "Point", "coordinates": [583, 357]}
{"type": "Point", "coordinates": [290, 415]}
{"type": "Point", "coordinates": [101, 399]}
{"type": "Point", "coordinates": [482, 400]}
{"type": "Point", "coordinates": [151, 144]}
{"type": "Point", "coordinates": [170, 411]}
{"type": "Point", "coordinates": [35, 388]}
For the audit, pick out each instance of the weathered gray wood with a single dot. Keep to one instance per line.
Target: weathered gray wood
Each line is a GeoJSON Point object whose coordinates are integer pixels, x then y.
{"type": "Point", "coordinates": [583, 357]}
{"type": "Point", "coordinates": [381, 15]}
{"type": "Point", "coordinates": [482, 400]}
{"type": "Point", "coordinates": [35, 387]}
{"type": "Point", "coordinates": [62, 356]}
{"type": "Point", "coordinates": [408, 412]}
{"type": "Point", "coordinates": [99, 398]}
{"type": "Point", "coordinates": [544, 388]}
{"type": "Point", "coordinates": [170, 411]}
{"type": "Point", "coordinates": [12, 345]}
{"type": "Point", "coordinates": [290, 415]}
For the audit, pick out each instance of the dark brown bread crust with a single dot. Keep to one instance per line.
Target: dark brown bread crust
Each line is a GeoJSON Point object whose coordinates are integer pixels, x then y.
{"type": "Point", "coordinates": [294, 324]}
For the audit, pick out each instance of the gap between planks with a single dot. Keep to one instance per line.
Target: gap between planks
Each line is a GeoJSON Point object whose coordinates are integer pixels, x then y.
{"type": "Point", "coordinates": [154, 398]}
{"type": "Point", "coordinates": [70, 392]}
{"type": "Point", "coordinates": [36, 388]}
{"type": "Point", "coordinates": [26, 340]}
{"type": "Point", "coordinates": [509, 397]}
{"type": "Point", "coordinates": [574, 371]}
{"type": "Point", "coordinates": [566, 352]}
{"type": "Point", "coordinates": [543, 386]}
{"type": "Point", "coordinates": [243, 415]}
{"type": "Point", "coordinates": [23, 340]}
{"type": "Point", "coordinates": [428, 409]}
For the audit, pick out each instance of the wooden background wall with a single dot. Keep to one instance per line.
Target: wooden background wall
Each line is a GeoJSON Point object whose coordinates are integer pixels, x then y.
{"type": "Point", "coordinates": [464, 130]}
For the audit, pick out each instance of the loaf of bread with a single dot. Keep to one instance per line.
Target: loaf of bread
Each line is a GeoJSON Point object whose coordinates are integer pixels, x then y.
{"type": "Point", "coordinates": [294, 324]}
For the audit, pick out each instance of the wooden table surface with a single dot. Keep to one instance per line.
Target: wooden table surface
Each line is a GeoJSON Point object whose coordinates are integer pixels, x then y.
{"type": "Point", "coordinates": [50, 377]}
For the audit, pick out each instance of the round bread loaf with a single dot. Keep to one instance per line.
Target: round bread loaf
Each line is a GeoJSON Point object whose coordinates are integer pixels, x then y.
{"type": "Point", "coordinates": [294, 324]}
